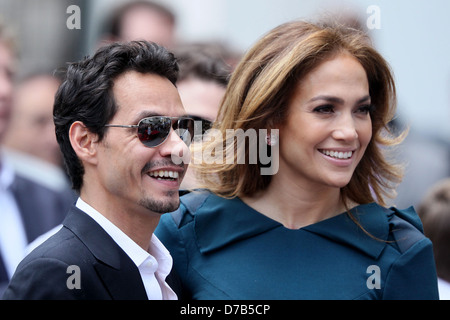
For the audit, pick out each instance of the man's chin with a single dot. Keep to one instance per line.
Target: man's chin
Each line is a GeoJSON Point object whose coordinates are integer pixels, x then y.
{"type": "Point", "coordinates": [161, 206]}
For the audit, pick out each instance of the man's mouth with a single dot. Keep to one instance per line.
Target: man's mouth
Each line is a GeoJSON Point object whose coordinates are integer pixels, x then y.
{"type": "Point", "coordinates": [164, 175]}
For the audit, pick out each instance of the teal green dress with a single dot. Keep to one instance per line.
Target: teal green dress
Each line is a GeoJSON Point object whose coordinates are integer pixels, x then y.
{"type": "Point", "coordinates": [223, 249]}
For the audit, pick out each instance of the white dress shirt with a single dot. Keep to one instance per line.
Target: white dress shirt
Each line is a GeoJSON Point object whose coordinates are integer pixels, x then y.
{"type": "Point", "coordinates": [154, 265]}
{"type": "Point", "coordinates": [444, 289]}
{"type": "Point", "coordinates": [13, 239]}
{"type": "Point", "coordinates": [36, 169]}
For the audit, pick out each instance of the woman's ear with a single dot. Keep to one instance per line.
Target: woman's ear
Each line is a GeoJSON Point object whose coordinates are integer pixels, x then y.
{"type": "Point", "coordinates": [84, 142]}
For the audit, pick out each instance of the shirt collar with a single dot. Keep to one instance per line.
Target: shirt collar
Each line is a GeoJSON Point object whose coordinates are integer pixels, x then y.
{"type": "Point", "coordinates": [6, 173]}
{"type": "Point", "coordinates": [219, 222]}
{"type": "Point", "coordinates": [162, 255]}
{"type": "Point", "coordinates": [131, 248]}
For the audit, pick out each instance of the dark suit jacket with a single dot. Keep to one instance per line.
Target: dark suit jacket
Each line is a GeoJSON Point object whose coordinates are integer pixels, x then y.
{"type": "Point", "coordinates": [40, 208]}
{"type": "Point", "coordinates": [105, 270]}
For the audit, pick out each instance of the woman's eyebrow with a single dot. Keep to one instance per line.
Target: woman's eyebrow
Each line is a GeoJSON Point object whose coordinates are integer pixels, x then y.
{"type": "Point", "coordinates": [334, 99]}
{"type": "Point", "coordinates": [364, 99]}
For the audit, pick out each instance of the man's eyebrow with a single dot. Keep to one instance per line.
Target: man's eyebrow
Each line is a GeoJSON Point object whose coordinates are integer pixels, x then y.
{"type": "Point", "coordinates": [336, 99]}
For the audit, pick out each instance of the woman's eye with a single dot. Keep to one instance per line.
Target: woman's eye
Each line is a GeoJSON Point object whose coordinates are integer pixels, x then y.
{"type": "Point", "coordinates": [326, 109]}
{"type": "Point", "coordinates": [366, 109]}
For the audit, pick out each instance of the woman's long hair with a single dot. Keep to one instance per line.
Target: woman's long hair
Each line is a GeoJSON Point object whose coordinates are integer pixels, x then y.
{"type": "Point", "coordinates": [258, 96]}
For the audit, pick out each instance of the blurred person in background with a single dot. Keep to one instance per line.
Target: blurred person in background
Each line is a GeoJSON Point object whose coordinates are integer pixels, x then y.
{"type": "Point", "coordinates": [427, 161]}
{"type": "Point", "coordinates": [27, 209]}
{"type": "Point", "coordinates": [141, 20]}
{"type": "Point", "coordinates": [7, 66]}
{"type": "Point", "coordinates": [30, 142]}
{"type": "Point", "coordinates": [202, 83]}
{"type": "Point", "coordinates": [434, 210]}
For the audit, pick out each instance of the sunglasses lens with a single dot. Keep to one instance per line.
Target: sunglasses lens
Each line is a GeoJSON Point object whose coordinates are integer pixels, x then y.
{"type": "Point", "coordinates": [201, 125]}
{"type": "Point", "coordinates": [206, 125]}
{"type": "Point", "coordinates": [185, 130]}
{"type": "Point", "coordinates": [154, 130]}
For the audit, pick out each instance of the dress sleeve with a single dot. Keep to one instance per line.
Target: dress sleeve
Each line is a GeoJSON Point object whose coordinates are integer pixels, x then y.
{"type": "Point", "coordinates": [413, 275]}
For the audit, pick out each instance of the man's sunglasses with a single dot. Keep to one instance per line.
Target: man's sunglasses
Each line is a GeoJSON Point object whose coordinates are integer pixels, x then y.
{"type": "Point", "coordinates": [153, 131]}
{"type": "Point", "coordinates": [203, 123]}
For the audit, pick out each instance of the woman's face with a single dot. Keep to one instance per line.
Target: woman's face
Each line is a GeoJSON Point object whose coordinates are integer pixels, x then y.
{"type": "Point", "coordinates": [328, 125]}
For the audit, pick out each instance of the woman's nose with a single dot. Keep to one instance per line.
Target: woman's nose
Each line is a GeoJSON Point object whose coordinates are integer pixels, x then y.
{"type": "Point", "coordinates": [345, 129]}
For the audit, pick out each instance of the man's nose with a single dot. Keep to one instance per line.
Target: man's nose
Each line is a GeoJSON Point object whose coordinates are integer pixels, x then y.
{"type": "Point", "coordinates": [175, 148]}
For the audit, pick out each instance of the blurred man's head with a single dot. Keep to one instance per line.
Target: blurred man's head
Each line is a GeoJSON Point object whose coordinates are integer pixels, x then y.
{"type": "Point", "coordinates": [142, 20]}
{"type": "Point", "coordinates": [6, 79]}
{"type": "Point", "coordinates": [31, 129]}
{"type": "Point", "coordinates": [202, 84]}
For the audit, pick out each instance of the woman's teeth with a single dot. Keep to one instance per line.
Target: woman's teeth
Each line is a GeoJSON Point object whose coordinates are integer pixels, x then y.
{"type": "Point", "coordinates": [337, 154]}
{"type": "Point", "coordinates": [162, 174]}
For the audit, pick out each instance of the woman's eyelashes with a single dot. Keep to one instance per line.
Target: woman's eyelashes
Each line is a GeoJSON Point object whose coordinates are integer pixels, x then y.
{"type": "Point", "coordinates": [329, 109]}
{"type": "Point", "coordinates": [365, 109]}
{"type": "Point", "coordinates": [325, 109]}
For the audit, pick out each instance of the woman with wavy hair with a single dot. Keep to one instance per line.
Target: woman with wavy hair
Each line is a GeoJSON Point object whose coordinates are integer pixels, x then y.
{"type": "Point", "coordinates": [316, 226]}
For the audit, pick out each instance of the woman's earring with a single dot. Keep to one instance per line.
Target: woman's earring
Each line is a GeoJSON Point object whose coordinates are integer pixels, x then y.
{"type": "Point", "coordinates": [272, 139]}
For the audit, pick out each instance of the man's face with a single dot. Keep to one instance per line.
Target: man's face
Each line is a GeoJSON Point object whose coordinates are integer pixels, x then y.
{"type": "Point", "coordinates": [6, 87]}
{"type": "Point", "coordinates": [129, 172]}
{"type": "Point", "coordinates": [201, 98]}
{"type": "Point", "coordinates": [142, 23]}
{"type": "Point", "coordinates": [32, 116]}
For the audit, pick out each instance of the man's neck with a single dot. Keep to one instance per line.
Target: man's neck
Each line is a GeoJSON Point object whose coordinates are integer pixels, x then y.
{"type": "Point", "coordinates": [135, 221]}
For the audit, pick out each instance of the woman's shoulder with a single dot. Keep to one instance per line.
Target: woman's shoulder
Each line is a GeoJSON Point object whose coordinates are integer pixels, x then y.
{"type": "Point", "coordinates": [413, 265]}
{"type": "Point", "coordinates": [406, 227]}
{"type": "Point", "coordinates": [403, 226]}
{"type": "Point", "coordinates": [212, 221]}
{"type": "Point", "coordinates": [190, 202]}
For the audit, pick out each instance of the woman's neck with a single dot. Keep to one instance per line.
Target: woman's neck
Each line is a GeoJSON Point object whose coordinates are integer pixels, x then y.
{"type": "Point", "coordinates": [297, 207]}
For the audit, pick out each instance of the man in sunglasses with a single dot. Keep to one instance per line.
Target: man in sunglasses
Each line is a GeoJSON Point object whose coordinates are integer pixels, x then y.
{"type": "Point", "coordinates": [120, 125]}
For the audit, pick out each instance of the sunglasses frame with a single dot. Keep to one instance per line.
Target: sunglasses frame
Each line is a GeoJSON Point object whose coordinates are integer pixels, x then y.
{"type": "Point", "coordinates": [172, 119]}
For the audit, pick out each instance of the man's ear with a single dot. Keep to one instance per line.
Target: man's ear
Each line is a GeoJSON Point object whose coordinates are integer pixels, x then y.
{"type": "Point", "coordinates": [84, 142]}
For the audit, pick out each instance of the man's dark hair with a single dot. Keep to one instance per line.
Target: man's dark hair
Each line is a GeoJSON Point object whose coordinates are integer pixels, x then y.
{"type": "Point", "coordinates": [86, 92]}
{"type": "Point", "coordinates": [205, 61]}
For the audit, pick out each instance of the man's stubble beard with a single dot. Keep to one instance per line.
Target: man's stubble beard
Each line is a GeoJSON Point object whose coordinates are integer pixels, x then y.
{"type": "Point", "coordinates": [162, 206]}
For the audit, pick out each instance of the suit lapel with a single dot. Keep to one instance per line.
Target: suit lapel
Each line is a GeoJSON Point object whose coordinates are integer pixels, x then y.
{"type": "Point", "coordinates": [39, 216]}
{"type": "Point", "coordinates": [173, 280]}
{"type": "Point", "coordinates": [122, 284]}
{"type": "Point", "coordinates": [117, 271]}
